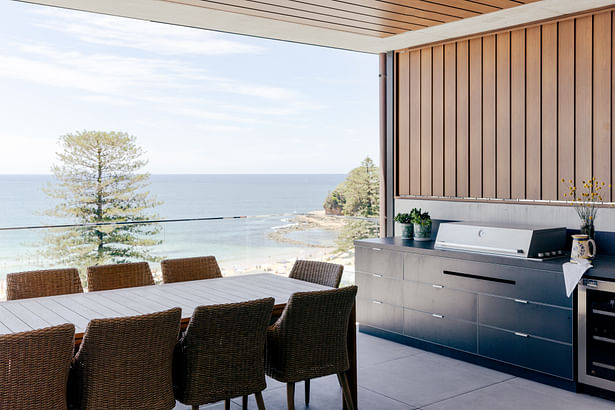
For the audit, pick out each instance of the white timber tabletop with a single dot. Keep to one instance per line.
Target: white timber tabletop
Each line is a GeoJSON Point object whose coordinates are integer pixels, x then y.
{"type": "Point", "coordinates": [79, 308]}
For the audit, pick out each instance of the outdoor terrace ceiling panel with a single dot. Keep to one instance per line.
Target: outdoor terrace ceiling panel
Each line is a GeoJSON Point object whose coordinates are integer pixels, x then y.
{"type": "Point", "coordinates": [375, 18]}
{"type": "Point", "coordinates": [371, 26]}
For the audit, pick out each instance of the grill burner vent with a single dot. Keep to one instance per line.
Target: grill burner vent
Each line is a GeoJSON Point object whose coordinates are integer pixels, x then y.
{"type": "Point", "coordinates": [503, 240]}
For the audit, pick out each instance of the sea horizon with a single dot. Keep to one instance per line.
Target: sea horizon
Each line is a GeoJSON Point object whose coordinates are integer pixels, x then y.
{"type": "Point", "coordinates": [269, 200]}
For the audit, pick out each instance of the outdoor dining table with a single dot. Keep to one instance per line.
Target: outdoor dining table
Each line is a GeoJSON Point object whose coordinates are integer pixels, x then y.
{"type": "Point", "coordinates": [28, 314]}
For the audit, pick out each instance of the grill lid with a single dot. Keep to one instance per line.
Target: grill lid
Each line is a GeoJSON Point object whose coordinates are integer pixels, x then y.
{"type": "Point", "coordinates": [504, 240]}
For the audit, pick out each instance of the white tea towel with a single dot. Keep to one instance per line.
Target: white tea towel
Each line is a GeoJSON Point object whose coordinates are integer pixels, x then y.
{"type": "Point", "coordinates": [573, 273]}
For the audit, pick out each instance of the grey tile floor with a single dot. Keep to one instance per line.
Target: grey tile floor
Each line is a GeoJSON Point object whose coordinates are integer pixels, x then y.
{"type": "Point", "coordinates": [393, 376]}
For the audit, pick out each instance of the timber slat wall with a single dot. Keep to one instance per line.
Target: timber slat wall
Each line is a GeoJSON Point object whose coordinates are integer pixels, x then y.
{"type": "Point", "coordinates": [508, 115]}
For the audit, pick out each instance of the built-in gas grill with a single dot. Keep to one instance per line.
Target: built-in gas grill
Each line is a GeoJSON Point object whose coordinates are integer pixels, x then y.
{"type": "Point", "coordinates": [502, 240]}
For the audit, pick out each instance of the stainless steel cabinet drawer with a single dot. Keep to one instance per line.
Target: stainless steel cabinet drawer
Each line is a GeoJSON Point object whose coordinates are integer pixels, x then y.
{"type": "Point", "coordinates": [440, 329]}
{"type": "Point", "coordinates": [422, 268]}
{"type": "Point", "coordinates": [436, 298]}
{"type": "Point", "coordinates": [380, 261]}
{"type": "Point", "coordinates": [526, 317]}
{"type": "Point", "coordinates": [526, 351]}
{"type": "Point", "coordinates": [381, 315]}
{"type": "Point", "coordinates": [374, 286]}
{"type": "Point", "coordinates": [502, 280]}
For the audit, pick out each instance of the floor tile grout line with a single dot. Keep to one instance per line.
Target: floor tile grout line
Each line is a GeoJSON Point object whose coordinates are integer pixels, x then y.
{"type": "Point", "coordinates": [390, 360]}
{"type": "Point", "coordinates": [467, 392]}
{"type": "Point", "coordinates": [413, 406]}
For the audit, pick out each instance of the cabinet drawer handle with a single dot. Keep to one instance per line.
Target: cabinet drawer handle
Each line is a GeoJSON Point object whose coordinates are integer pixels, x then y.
{"type": "Point", "coordinates": [438, 316]}
{"type": "Point", "coordinates": [521, 301]}
{"type": "Point", "coordinates": [437, 286]}
{"type": "Point", "coordinates": [377, 275]}
{"type": "Point", "coordinates": [376, 249]}
{"type": "Point", "coordinates": [376, 302]}
{"type": "Point", "coordinates": [521, 334]}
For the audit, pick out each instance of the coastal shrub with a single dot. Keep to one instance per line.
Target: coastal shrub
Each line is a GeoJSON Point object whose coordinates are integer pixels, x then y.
{"type": "Point", "coordinates": [358, 195]}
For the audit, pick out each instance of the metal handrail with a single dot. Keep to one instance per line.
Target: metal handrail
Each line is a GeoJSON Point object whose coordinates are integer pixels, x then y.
{"type": "Point", "coordinates": [211, 218]}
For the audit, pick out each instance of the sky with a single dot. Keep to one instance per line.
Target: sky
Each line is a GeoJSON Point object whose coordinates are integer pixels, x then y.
{"type": "Point", "coordinates": [197, 101]}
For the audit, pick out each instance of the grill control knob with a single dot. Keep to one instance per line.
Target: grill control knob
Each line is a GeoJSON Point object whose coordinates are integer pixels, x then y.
{"type": "Point", "coordinates": [541, 255]}
{"type": "Point", "coordinates": [547, 254]}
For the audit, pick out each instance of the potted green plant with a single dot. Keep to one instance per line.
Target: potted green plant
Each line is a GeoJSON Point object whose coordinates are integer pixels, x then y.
{"type": "Point", "coordinates": [405, 220]}
{"type": "Point", "coordinates": [422, 226]}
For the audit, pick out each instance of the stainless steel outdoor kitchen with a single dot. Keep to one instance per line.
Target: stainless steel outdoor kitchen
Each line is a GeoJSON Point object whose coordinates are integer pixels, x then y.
{"type": "Point", "coordinates": [494, 295]}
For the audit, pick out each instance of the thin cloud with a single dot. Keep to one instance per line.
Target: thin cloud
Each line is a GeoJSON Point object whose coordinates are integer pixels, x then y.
{"type": "Point", "coordinates": [134, 78]}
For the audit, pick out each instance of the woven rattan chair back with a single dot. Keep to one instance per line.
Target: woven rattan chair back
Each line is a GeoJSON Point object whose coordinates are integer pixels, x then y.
{"type": "Point", "coordinates": [322, 273]}
{"type": "Point", "coordinates": [39, 283]}
{"type": "Point", "coordinates": [220, 355]}
{"type": "Point", "coordinates": [126, 363]}
{"type": "Point", "coordinates": [185, 269]}
{"type": "Point", "coordinates": [123, 275]}
{"type": "Point", "coordinates": [309, 339]}
{"type": "Point", "coordinates": [34, 368]}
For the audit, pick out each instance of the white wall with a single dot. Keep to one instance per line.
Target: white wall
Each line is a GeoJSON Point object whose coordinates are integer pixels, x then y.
{"type": "Point", "coordinates": [535, 215]}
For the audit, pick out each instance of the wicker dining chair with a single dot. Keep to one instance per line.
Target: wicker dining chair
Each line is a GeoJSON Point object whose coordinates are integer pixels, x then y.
{"type": "Point", "coordinates": [309, 340]}
{"type": "Point", "coordinates": [122, 275]}
{"type": "Point", "coordinates": [39, 283]}
{"type": "Point", "coordinates": [185, 269]}
{"type": "Point", "coordinates": [126, 363]}
{"type": "Point", "coordinates": [34, 368]}
{"type": "Point", "coordinates": [220, 355]}
{"type": "Point", "coordinates": [322, 273]}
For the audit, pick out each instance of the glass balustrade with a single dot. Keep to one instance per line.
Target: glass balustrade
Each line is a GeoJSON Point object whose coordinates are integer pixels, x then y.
{"type": "Point", "coordinates": [242, 245]}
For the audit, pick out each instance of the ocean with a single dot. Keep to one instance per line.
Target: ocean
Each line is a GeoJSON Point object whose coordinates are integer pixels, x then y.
{"type": "Point", "coordinates": [269, 202]}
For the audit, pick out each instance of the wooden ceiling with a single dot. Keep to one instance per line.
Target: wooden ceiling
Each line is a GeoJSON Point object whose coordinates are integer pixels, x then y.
{"type": "Point", "coordinates": [375, 18]}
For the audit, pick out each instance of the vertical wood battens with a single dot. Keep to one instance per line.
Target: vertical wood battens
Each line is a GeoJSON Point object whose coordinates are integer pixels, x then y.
{"type": "Point", "coordinates": [565, 106]}
{"type": "Point", "coordinates": [438, 122]}
{"type": "Point", "coordinates": [463, 120]}
{"type": "Point", "coordinates": [602, 101]}
{"type": "Point", "coordinates": [549, 112]}
{"type": "Point", "coordinates": [450, 119]}
{"type": "Point", "coordinates": [583, 100]}
{"type": "Point", "coordinates": [489, 106]}
{"type": "Point", "coordinates": [403, 125]}
{"type": "Point", "coordinates": [476, 129]}
{"type": "Point", "coordinates": [426, 121]}
{"type": "Point", "coordinates": [415, 123]}
{"type": "Point", "coordinates": [533, 113]}
{"type": "Point", "coordinates": [503, 115]}
{"type": "Point", "coordinates": [510, 114]}
{"type": "Point", "coordinates": [517, 114]}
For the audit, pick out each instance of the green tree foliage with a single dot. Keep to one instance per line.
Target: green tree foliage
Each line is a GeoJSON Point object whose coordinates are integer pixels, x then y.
{"type": "Point", "coordinates": [334, 203]}
{"type": "Point", "coordinates": [357, 195]}
{"type": "Point", "coordinates": [361, 190]}
{"type": "Point", "coordinates": [97, 181]}
{"type": "Point", "coordinates": [354, 229]}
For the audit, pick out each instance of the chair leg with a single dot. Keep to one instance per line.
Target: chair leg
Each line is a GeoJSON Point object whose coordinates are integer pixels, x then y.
{"type": "Point", "coordinates": [259, 400]}
{"type": "Point", "coordinates": [227, 404]}
{"type": "Point", "coordinates": [307, 392]}
{"type": "Point", "coordinates": [290, 395]}
{"type": "Point", "coordinates": [346, 389]}
{"type": "Point", "coordinates": [244, 402]}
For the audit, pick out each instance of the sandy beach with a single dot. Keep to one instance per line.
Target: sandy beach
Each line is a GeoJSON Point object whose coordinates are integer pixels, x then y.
{"type": "Point", "coordinates": [281, 265]}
